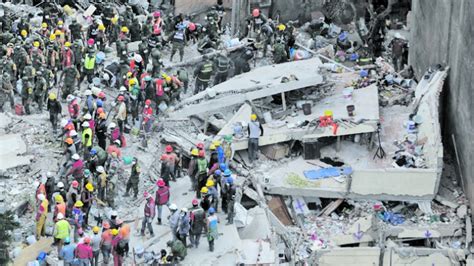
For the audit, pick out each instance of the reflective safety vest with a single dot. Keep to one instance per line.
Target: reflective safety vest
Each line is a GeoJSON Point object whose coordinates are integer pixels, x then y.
{"type": "Point", "coordinates": [222, 64]}
{"type": "Point", "coordinates": [206, 71]}
{"type": "Point", "coordinates": [89, 62]}
{"type": "Point", "coordinates": [179, 36]}
{"type": "Point", "coordinates": [87, 131]}
{"type": "Point", "coordinates": [62, 229]}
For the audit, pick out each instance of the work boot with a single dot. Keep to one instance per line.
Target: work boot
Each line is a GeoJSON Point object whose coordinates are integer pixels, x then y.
{"type": "Point", "coordinates": [159, 221]}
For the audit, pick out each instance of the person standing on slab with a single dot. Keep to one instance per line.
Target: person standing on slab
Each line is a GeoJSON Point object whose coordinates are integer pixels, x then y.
{"type": "Point", "coordinates": [255, 131]}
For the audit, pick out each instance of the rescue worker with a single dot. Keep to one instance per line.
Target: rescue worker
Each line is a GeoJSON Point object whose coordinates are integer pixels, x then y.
{"type": "Point", "coordinates": [6, 93]}
{"type": "Point", "coordinates": [255, 130]}
{"type": "Point", "coordinates": [67, 252]}
{"type": "Point", "coordinates": [179, 42]}
{"type": "Point", "coordinates": [87, 198]}
{"type": "Point", "coordinates": [202, 171]}
{"type": "Point", "coordinates": [398, 45]}
{"type": "Point", "coordinates": [183, 225]}
{"type": "Point", "coordinates": [255, 22]}
{"type": "Point", "coordinates": [193, 169]}
{"type": "Point", "coordinates": [203, 73]}
{"type": "Point", "coordinates": [68, 57]}
{"type": "Point", "coordinates": [89, 67]}
{"type": "Point", "coordinates": [149, 214]}
{"type": "Point", "coordinates": [54, 108]}
{"type": "Point", "coordinates": [279, 52]}
{"type": "Point", "coordinates": [106, 242]}
{"type": "Point", "coordinates": [101, 131]}
{"type": "Point", "coordinates": [229, 191]}
{"type": "Point", "coordinates": [132, 182]}
{"type": "Point", "coordinates": [69, 77]}
{"type": "Point", "coordinates": [41, 215]}
{"type": "Point", "coordinates": [86, 139]}
{"type": "Point", "coordinates": [40, 90]}
{"type": "Point", "coordinates": [95, 244]}
{"type": "Point", "coordinates": [77, 219]}
{"type": "Point", "coordinates": [197, 221]}
{"type": "Point", "coordinates": [121, 114]}
{"type": "Point", "coordinates": [173, 219]}
{"type": "Point", "coordinates": [178, 249]}
{"type": "Point", "coordinates": [60, 206]}
{"type": "Point", "coordinates": [61, 231]}
{"type": "Point", "coordinates": [84, 252]}
{"type": "Point", "coordinates": [26, 94]}
{"type": "Point", "coordinates": [156, 62]}
{"type": "Point", "coordinates": [162, 197]}
{"type": "Point", "coordinates": [118, 251]}
{"type": "Point", "coordinates": [211, 227]}
{"type": "Point", "coordinates": [222, 65]}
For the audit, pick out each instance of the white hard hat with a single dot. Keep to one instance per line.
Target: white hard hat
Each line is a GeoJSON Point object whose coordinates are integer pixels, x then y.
{"type": "Point", "coordinates": [122, 88]}
{"type": "Point", "coordinates": [184, 209]}
{"type": "Point", "coordinates": [75, 156]}
{"type": "Point", "coordinates": [85, 124]}
{"type": "Point", "coordinates": [118, 142]}
{"type": "Point", "coordinates": [112, 125]}
{"type": "Point", "coordinates": [95, 91]}
{"type": "Point", "coordinates": [49, 174]}
{"type": "Point", "coordinates": [173, 207]}
{"type": "Point", "coordinates": [398, 35]}
{"type": "Point", "coordinates": [113, 213]}
{"type": "Point", "coordinates": [41, 197]}
{"type": "Point", "coordinates": [70, 98]}
{"type": "Point", "coordinates": [87, 92]}
{"type": "Point", "coordinates": [137, 58]}
{"type": "Point", "coordinates": [87, 116]}
{"type": "Point", "coordinates": [60, 185]}
{"type": "Point", "coordinates": [73, 133]}
{"type": "Point", "coordinates": [106, 77]}
{"type": "Point", "coordinates": [60, 216]}
{"type": "Point", "coordinates": [100, 169]}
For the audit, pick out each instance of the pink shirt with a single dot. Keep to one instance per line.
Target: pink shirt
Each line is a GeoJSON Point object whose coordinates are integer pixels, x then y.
{"type": "Point", "coordinates": [83, 251]}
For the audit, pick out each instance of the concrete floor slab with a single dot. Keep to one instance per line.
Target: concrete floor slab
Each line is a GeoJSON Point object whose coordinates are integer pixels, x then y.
{"type": "Point", "coordinates": [11, 148]}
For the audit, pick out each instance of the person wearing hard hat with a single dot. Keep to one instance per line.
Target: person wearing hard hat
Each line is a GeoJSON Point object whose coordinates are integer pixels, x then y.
{"type": "Point", "coordinates": [40, 89]}
{"type": "Point", "coordinates": [106, 242]}
{"type": "Point", "coordinates": [26, 93]}
{"type": "Point", "coordinates": [212, 192]}
{"type": "Point", "coordinates": [6, 91]}
{"type": "Point", "coordinates": [183, 225]}
{"type": "Point", "coordinates": [228, 148]}
{"type": "Point", "coordinates": [173, 219]}
{"type": "Point", "coordinates": [86, 139]}
{"type": "Point", "coordinates": [41, 215]}
{"type": "Point", "coordinates": [179, 42]}
{"type": "Point", "coordinates": [399, 46]}
{"type": "Point", "coordinates": [228, 193]}
{"type": "Point", "coordinates": [211, 226]}
{"type": "Point", "coordinates": [134, 178]}
{"type": "Point", "coordinates": [165, 169]}
{"type": "Point", "coordinates": [255, 131]}
{"type": "Point", "coordinates": [213, 159]}
{"type": "Point", "coordinates": [87, 197]}
{"type": "Point", "coordinates": [202, 171]}
{"type": "Point", "coordinates": [255, 22]}
{"type": "Point", "coordinates": [162, 196]}
{"type": "Point", "coordinates": [89, 66]}
{"type": "Point", "coordinates": [121, 115]}
{"type": "Point", "coordinates": [84, 252]}
{"type": "Point", "coordinates": [197, 223]}
{"type": "Point", "coordinates": [76, 168]}
{"type": "Point", "coordinates": [77, 218]}
{"type": "Point", "coordinates": [69, 77]}
{"type": "Point", "coordinates": [193, 169]}
{"type": "Point", "coordinates": [203, 73]}
{"type": "Point", "coordinates": [67, 252]}
{"type": "Point", "coordinates": [61, 231]}
{"type": "Point", "coordinates": [60, 207]}
{"type": "Point", "coordinates": [149, 214]}
{"type": "Point", "coordinates": [119, 250]}
{"type": "Point", "coordinates": [95, 244]}
{"type": "Point", "coordinates": [54, 108]}
{"type": "Point", "coordinates": [205, 199]}
{"type": "Point", "coordinates": [67, 56]}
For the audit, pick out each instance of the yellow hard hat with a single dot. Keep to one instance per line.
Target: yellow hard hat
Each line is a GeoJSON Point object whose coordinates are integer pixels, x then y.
{"type": "Point", "coordinates": [253, 117]}
{"type": "Point", "coordinates": [36, 44]}
{"type": "Point", "coordinates": [52, 37]}
{"type": "Point", "coordinates": [44, 25]}
{"type": "Point", "coordinates": [59, 198]}
{"type": "Point", "coordinates": [58, 32]}
{"type": "Point", "coordinates": [281, 27]}
{"type": "Point", "coordinates": [67, 44]}
{"type": "Point", "coordinates": [95, 229]}
{"type": "Point", "coordinates": [168, 79]}
{"type": "Point", "coordinates": [90, 187]}
{"type": "Point", "coordinates": [101, 27]}
{"type": "Point", "coordinates": [216, 143]}
{"type": "Point", "coordinates": [114, 20]}
{"type": "Point", "coordinates": [212, 147]}
{"type": "Point", "coordinates": [209, 183]}
{"type": "Point", "coordinates": [204, 190]}
{"type": "Point", "coordinates": [124, 29]}
{"type": "Point", "coordinates": [78, 204]}
{"type": "Point", "coordinates": [115, 232]}
{"type": "Point", "coordinates": [52, 96]}
{"type": "Point", "coordinates": [195, 152]}
{"type": "Point", "coordinates": [23, 33]}
{"type": "Point", "coordinates": [60, 23]}
{"type": "Point", "coordinates": [132, 82]}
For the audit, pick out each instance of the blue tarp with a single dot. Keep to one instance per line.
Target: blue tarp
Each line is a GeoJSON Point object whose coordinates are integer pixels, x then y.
{"type": "Point", "coordinates": [327, 172]}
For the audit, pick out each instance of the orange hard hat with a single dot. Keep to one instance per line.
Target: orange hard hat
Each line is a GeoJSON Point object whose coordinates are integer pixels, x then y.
{"type": "Point", "coordinates": [256, 12]}
{"type": "Point", "coordinates": [69, 141]}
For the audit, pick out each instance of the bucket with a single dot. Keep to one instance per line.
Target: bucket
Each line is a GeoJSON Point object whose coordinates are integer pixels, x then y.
{"type": "Point", "coordinates": [307, 109]}
{"type": "Point", "coordinates": [19, 109]}
{"type": "Point", "coordinates": [267, 116]}
{"type": "Point", "coordinates": [350, 109]}
{"type": "Point", "coordinates": [411, 126]}
{"type": "Point", "coordinates": [347, 93]}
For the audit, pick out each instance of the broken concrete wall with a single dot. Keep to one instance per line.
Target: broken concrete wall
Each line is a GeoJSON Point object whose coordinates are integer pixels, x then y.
{"type": "Point", "coordinates": [443, 32]}
{"type": "Point", "coordinates": [362, 256]}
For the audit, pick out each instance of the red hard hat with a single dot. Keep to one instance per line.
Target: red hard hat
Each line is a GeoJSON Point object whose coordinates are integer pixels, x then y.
{"type": "Point", "coordinates": [191, 26]}
{"type": "Point", "coordinates": [195, 202]}
{"type": "Point", "coordinates": [90, 41]}
{"type": "Point", "coordinates": [148, 102]}
{"type": "Point", "coordinates": [87, 240]}
{"type": "Point", "coordinates": [100, 110]}
{"type": "Point", "coordinates": [200, 145]}
{"type": "Point", "coordinates": [101, 95]}
{"type": "Point", "coordinates": [256, 12]}
{"type": "Point", "coordinates": [160, 183]}
{"type": "Point", "coordinates": [106, 225]}
{"type": "Point", "coordinates": [169, 148]}
{"type": "Point", "coordinates": [156, 14]}
{"type": "Point", "coordinates": [121, 98]}
{"type": "Point", "coordinates": [75, 184]}
{"type": "Point", "coordinates": [202, 153]}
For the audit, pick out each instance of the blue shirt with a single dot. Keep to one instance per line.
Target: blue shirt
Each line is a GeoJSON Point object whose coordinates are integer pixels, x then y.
{"type": "Point", "coordinates": [67, 253]}
{"type": "Point", "coordinates": [220, 154]}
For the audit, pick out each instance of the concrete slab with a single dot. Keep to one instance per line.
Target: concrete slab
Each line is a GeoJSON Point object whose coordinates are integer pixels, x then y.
{"type": "Point", "coordinates": [259, 228]}
{"type": "Point", "coordinates": [256, 253]}
{"type": "Point", "coordinates": [394, 259]}
{"type": "Point", "coordinates": [350, 256]}
{"type": "Point", "coordinates": [11, 148]}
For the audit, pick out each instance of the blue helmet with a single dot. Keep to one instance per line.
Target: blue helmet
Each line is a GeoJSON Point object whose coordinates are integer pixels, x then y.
{"type": "Point", "coordinates": [223, 166]}
{"type": "Point", "coordinates": [363, 73]}
{"type": "Point", "coordinates": [227, 172]}
{"type": "Point", "coordinates": [212, 210]}
{"type": "Point", "coordinates": [93, 151]}
{"type": "Point", "coordinates": [99, 103]}
{"type": "Point", "coordinates": [217, 172]}
{"type": "Point", "coordinates": [229, 180]}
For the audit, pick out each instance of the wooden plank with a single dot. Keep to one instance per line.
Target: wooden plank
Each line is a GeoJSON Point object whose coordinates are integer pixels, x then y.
{"type": "Point", "coordinates": [31, 252]}
{"type": "Point", "coordinates": [333, 206]}
{"type": "Point", "coordinates": [278, 207]}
